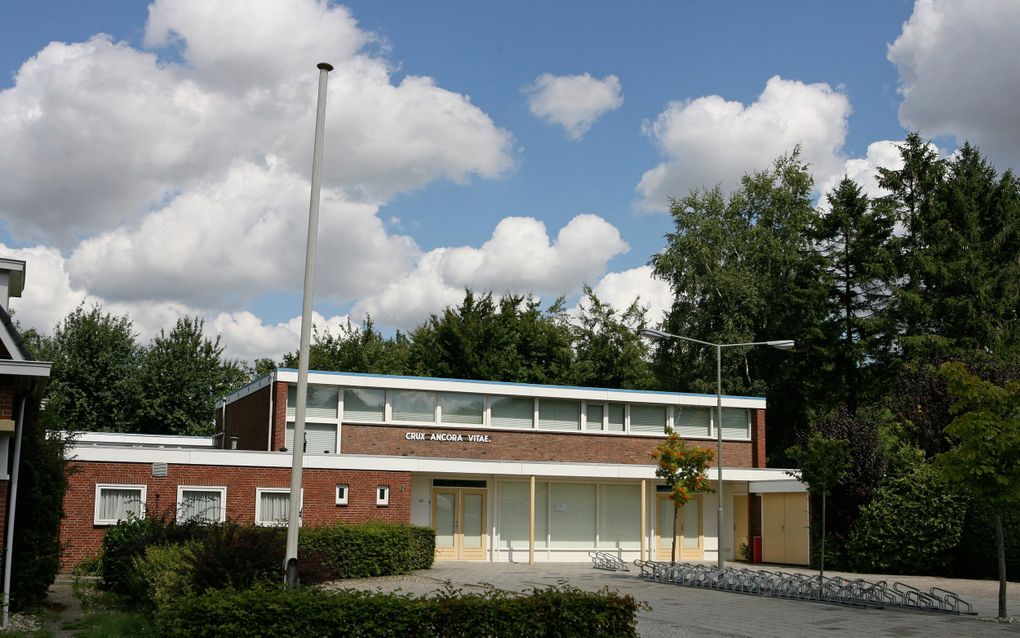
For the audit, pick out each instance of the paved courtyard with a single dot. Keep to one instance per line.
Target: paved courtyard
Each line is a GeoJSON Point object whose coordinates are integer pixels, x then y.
{"type": "Point", "coordinates": [683, 611]}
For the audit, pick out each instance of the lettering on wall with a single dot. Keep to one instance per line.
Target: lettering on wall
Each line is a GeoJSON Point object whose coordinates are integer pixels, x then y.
{"type": "Point", "coordinates": [452, 437]}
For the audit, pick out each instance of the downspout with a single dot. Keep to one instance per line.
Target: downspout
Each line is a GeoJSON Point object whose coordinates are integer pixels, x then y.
{"type": "Point", "coordinates": [9, 547]}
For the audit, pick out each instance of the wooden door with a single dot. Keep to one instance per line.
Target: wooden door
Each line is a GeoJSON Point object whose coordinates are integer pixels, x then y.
{"type": "Point", "coordinates": [784, 528]}
{"type": "Point", "coordinates": [690, 539]}
{"type": "Point", "coordinates": [459, 518]}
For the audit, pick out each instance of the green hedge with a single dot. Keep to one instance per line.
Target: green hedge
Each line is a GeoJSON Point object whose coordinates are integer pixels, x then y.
{"type": "Point", "coordinates": [239, 556]}
{"type": "Point", "coordinates": [361, 551]}
{"type": "Point", "coordinates": [423, 553]}
{"type": "Point", "coordinates": [555, 611]}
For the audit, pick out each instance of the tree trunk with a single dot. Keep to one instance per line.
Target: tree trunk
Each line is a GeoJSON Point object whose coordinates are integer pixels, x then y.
{"type": "Point", "coordinates": [1000, 545]}
{"type": "Point", "coordinates": [676, 518]}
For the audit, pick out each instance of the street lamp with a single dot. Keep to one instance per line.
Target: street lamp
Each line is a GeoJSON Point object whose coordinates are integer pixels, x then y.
{"type": "Point", "coordinates": [781, 344]}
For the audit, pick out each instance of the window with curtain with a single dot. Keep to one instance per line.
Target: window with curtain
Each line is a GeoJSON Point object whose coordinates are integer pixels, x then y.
{"type": "Point", "coordinates": [201, 504]}
{"type": "Point", "coordinates": [617, 413]}
{"type": "Point", "coordinates": [273, 506]}
{"type": "Point", "coordinates": [321, 402]}
{"type": "Point", "coordinates": [692, 421]}
{"type": "Point", "coordinates": [559, 414]}
{"type": "Point", "coordinates": [649, 419]}
{"type": "Point", "coordinates": [413, 405]}
{"type": "Point", "coordinates": [462, 409]}
{"type": "Point", "coordinates": [512, 412]}
{"type": "Point", "coordinates": [593, 416]}
{"type": "Point", "coordinates": [320, 438]}
{"type": "Point", "coordinates": [119, 502]}
{"type": "Point", "coordinates": [736, 423]}
{"type": "Point", "coordinates": [364, 404]}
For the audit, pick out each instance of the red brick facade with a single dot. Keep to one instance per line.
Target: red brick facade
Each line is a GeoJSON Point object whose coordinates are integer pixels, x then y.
{"type": "Point", "coordinates": [758, 437]}
{"type": "Point", "coordinates": [6, 399]}
{"type": "Point", "coordinates": [531, 445]}
{"type": "Point", "coordinates": [248, 418]}
{"type": "Point", "coordinates": [82, 539]}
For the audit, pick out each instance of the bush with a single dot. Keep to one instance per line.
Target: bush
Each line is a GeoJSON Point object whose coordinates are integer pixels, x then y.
{"type": "Point", "coordinates": [238, 556]}
{"type": "Point", "coordinates": [423, 552]}
{"type": "Point", "coordinates": [977, 555]}
{"type": "Point", "coordinates": [129, 539]}
{"type": "Point", "coordinates": [910, 527]}
{"type": "Point", "coordinates": [41, 486]}
{"type": "Point", "coordinates": [277, 612]}
{"type": "Point", "coordinates": [167, 573]}
{"type": "Point", "coordinates": [362, 551]}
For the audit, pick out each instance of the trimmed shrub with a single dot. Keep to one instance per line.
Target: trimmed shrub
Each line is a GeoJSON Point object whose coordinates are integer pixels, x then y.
{"type": "Point", "coordinates": [167, 573]}
{"type": "Point", "coordinates": [910, 527]}
{"type": "Point", "coordinates": [238, 556]}
{"type": "Point", "coordinates": [423, 553]}
{"type": "Point", "coordinates": [361, 551]}
{"type": "Point", "coordinates": [278, 612]}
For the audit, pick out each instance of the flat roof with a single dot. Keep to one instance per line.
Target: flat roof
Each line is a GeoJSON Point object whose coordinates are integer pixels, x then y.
{"type": "Point", "coordinates": [394, 381]}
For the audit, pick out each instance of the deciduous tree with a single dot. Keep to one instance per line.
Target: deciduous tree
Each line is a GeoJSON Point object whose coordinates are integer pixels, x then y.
{"type": "Point", "coordinates": [684, 468]}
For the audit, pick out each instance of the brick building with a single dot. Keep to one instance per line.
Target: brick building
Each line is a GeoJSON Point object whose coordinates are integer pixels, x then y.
{"type": "Point", "coordinates": [502, 471]}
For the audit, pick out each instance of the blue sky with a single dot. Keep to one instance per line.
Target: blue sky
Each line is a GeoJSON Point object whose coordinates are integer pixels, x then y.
{"type": "Point", "coordinates": [527, 146]}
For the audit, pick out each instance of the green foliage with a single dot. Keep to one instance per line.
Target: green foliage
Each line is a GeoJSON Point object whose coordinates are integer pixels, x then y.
{"type": "Point", "coordinates": [113, 624]}
{"type": "Point", "coordinates": [742, 269]}
{"type": "Point", "coordinates": [167, 572]}
{"type": "Point", "coordinates": [510, 339]}
{"type": "Point", "coordinates": [362, 551]}
{"type": "Point", "coordinates": [41, 486]}
{"type": "Point", "coordinates": [822, 463]}
{"type": "Point", "coordinates": [182, 374]}
{"type": "Point", "coordinates": [609, 352]}
{"type": "Point", "coordinates": [554, 611]}
{"type": "Point", "coordinates": [237, 556]}
{"type": "Point", "coordinates": [976, 556]}
{"type": "Point", "coordinates": [986, 429]}
{"type": "Point", "coordinates": [423, 550]}
{"type": "Point", "coordinates": [94, 379]}
{"type": "Point", "coordinates": [126, 543]}
{"type": "Point", "coordinates": [352, 349]}
{"type": "Point", "coordinates": [911, 526]}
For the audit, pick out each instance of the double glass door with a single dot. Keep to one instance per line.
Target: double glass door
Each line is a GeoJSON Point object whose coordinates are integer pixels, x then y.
{"type": "Point", "coordinates": [689, 538]}
{"type": "Point", "coordinates": [458, 516]}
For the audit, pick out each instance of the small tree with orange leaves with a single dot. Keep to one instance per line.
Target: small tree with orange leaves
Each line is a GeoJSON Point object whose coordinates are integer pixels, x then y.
{"type": "Point", "coordinates": [684, 468]}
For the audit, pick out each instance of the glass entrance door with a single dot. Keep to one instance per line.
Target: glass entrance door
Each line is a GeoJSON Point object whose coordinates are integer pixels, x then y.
{"type": "Point", "coordinates": [459, 519]}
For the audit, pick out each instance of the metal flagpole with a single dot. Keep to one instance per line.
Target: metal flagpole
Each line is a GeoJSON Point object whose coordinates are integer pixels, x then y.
{"type": "Point", "coordinates": [297, 457]}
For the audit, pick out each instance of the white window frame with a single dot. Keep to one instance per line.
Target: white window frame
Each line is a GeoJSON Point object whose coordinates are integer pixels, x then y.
{"type": "Point", "coordinates": [382, 498]}
{"type": "Point", "coordinates": [143, 491]}
{"type": "Point", "coordinates": [277, 490]}
{"type": "Point", "coordinates": [181, 489]}
{"type": "Point", "coordinates": [345, 498]}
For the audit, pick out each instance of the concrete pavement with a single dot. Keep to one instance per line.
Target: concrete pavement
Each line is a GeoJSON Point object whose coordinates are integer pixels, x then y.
{"type": "Point", "coordinates": [684, 611]}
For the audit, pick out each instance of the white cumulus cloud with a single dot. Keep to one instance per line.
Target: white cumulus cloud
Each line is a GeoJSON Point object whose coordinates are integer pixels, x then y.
{"type": "Point", "coordinates": [959, 74]}
{"type": "Point", "coordinates": [573, 101]}
{"type": "Point", "coordinates": [711, 141]}
{"type": "Point", "coordinates": [519, 257]}
{"type": "Point", "coordinates": [864, 170]}
{"type": "Point", "coordinates": [98, 133]}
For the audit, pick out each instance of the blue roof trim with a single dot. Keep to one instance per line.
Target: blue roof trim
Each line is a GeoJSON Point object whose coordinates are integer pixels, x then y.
{"type": "Point", "coordinates": [517, 383]}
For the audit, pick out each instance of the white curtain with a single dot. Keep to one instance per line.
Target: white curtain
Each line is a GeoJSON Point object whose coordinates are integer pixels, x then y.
{"type": "Point", "coordinates": [201, 505]}
{"type": "Point", "coordinates": [116, 503]}
{"type": "Point", "coordinates": [274, 507]}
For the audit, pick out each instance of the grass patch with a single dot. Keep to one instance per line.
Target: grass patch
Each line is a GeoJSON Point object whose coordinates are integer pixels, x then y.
{"type": "Point", "coordinates": [112, 624]}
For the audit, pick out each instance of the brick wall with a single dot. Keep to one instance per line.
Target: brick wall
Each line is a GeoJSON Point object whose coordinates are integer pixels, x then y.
{"type": "Point", "coordinates": [280, 417]}
{"type": "Point", "coordinates": [754, 515]}
{"type": "Point", "coordinates": [6, 398]}
{"type": "Point", "coordinates": [82, 539]}
{"type": "Point", "coordinates": [4, 491]}
{"type": "Point", "coordinates": [758, 437]}
{"type": "Point", "coordinates": [248, 417]}
{"type": "Point", "coordinates": [522, 446]}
